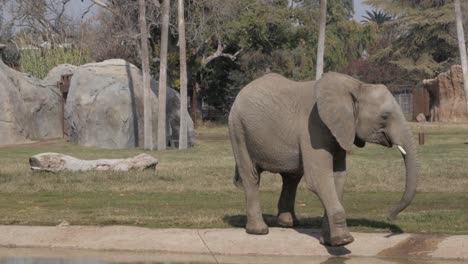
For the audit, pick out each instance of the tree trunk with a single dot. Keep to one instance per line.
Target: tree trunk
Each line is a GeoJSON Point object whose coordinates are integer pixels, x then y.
{"type": "Point", "coordinates": [183, 79]}
{"type": "Point", "coordinates": [321, 40]}
{"type": "Point", "coordinates": [162, 143]}
{"type": "Point", "coordinates": [195, 105]}
{"type": "Point", "coordinates": [148, 114]}
{"type": "Point", "coordinates": [462, 47]}
{"type": "Point", "coordinates": [56, 162]}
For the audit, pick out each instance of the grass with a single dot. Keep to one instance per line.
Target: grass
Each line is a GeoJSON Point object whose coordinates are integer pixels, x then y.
{"type": "Point", "coordinates": [40, 62]}
{"type": "Point", "coordinates": [193, 188]}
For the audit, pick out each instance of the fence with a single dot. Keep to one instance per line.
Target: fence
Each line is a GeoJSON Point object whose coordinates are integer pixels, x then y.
{"type": "Point", "coordinates": [405, 100]}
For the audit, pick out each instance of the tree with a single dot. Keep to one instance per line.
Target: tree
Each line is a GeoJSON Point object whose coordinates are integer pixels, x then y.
{"type": "Point", "coordinates": [147, 109]}
{"type": "Point", "coordinates": [321, 40]}
{"type": "Point", "coordinates": [422, 41]}
{"type": "Point", "coordinates": [377, 17]}
{"type": "Point", "coordinates": [183, 144]}
{"type": "Point", "coordinates": [228, 45]}
{"type": "Point", "coordinates": [46, 20]}
{"type": "Point", "coordinates": [162, 143]}
{"type": "Point", "coordinates": [117, 25]}
{"type": "Point", "coordinates": [462, 47]}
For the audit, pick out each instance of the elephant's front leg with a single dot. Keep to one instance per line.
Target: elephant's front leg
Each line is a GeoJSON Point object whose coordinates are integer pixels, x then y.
{"type": "Point", "coordinates": [339, 177]}
{"type": "Point", "coordinates": [286, 214]}
{"type": "Point", "coordinates": [319, 175]}
{"type": "Point", "coordinates": [339, 185]}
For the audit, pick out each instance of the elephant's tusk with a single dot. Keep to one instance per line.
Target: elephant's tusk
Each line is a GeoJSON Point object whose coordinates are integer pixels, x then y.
{"type": "Point", "coordinates": [402, 150]}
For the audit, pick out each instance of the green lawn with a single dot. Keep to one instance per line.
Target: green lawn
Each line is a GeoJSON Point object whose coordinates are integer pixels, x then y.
{"type": "Point", "coordinates": [193, 188]}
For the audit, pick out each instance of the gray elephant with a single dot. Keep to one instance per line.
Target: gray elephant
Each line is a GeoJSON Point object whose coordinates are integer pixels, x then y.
{"type": "Point", "coordinates": [301, 129]}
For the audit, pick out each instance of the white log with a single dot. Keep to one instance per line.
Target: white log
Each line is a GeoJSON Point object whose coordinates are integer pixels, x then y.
{"type": "Point", "coordinates": [56, 162]}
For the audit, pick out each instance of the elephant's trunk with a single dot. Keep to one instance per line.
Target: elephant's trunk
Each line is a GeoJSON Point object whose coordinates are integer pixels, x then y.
{"type": "Point", "coordinates": [411, 166]}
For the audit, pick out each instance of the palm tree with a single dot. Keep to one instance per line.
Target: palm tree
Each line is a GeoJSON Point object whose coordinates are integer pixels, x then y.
{"type": "Point", "coordinates": [183, 79]}
{"type": "Point", "coordinates": [377, 17]}
{"type": "Point", "coordinates": [148, 114]}
{"type": "Point", "coordinates": [321, 40]}
{"type": "Point", "coordinates": [162, 143]}
{"type": "Point", "coordinates": [462, 47]}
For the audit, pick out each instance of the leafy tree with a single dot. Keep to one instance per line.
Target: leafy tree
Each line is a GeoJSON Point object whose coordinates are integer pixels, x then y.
{"type": "Point", "coordinates": [377, 17]}
{"type": "Point", "coordinates": [230, 44]}
{"type": "Point", "coordinates": [423, 39]}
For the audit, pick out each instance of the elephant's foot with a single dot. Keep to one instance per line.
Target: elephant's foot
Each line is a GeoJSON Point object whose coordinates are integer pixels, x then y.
{"type": "Point", "coordinates": [343, 238]}
{"type": "Point", "coordinates": [287, 219]}
{"type": "Point", "coordinates": [256, 228]}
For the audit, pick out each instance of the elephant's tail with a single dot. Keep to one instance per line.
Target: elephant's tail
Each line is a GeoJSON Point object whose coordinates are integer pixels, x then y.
{"type": "Point", "coordinates": [237, 179]}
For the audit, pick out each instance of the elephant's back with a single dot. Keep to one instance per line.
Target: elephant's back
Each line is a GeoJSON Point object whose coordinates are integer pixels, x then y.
{"type": "Point", "coordinates": [275, 85]}
{"type": "Point", "coordinates": [273, 91]}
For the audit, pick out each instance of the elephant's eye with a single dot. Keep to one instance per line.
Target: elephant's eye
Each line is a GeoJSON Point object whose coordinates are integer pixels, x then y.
{"type": "Point", "coordinates": [385, 116]}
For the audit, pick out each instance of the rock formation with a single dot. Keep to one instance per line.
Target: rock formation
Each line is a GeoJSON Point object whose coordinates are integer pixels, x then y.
{"type": "Point", "coordinates": [29, 108]}
{"type": "Point", "coordinates": [447, 97]}
{"type": "Point", "coordinates": [56, 73]}
{"type": "Point", "coordinates": [104, 108]}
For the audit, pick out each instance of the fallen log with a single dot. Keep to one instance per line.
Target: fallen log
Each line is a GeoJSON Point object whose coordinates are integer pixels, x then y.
{"type": "Point", "coordinates": [56, 162]}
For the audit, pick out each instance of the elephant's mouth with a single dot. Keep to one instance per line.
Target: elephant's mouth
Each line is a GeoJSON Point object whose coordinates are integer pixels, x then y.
{"type": "Point", "coordinates": [381, 138]}
{"type": "Point", "coordinates": [359, 142]}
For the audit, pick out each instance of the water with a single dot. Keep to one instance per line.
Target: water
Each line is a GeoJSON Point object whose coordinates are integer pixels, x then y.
{"type": "Point", "coordinates": [63, 256]}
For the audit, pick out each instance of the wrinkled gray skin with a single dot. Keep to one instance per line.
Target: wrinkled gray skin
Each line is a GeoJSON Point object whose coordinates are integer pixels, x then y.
{"type": "Point", "coordinates": [303, 129]}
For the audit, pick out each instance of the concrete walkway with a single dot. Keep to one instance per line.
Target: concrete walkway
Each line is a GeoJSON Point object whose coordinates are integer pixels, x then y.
{"type": "Point", "coordinates": [227, 242]}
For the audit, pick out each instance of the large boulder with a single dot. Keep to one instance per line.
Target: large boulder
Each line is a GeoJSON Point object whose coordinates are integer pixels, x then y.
{"type": "Point", "coordinates": [104, 108]}
{"type": "Point", "coordinates": [447, 96]}
{"type": "Point", "coordinates": [56, 73]}
{"type": "Point", "coordinates": [29, 108]}
{"type": "Point", "coordinates": [15, 124]}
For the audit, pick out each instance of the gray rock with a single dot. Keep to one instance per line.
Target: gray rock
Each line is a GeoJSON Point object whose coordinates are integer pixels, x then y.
{"type": "Point", "coordinates": [29, 108]}
{"type": "Point", "coordinates": [56, 73]}
{"type": "Point", "coordinates": [15, 124]}
{"type": "Point", "coordinates": [104, 108]}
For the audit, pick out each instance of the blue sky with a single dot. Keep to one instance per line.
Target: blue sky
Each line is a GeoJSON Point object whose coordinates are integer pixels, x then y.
{"type": "Point", "coordinates": [360, 9]}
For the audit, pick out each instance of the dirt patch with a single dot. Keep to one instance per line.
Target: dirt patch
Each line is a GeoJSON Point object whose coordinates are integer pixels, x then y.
{"type": "Point", "coordinates": [416, 246]}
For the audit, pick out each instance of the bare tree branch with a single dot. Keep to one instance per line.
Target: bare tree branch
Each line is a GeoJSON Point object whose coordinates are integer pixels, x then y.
{"type": "Point", "coordinates": [156, 3]}
{"type": "Point", "coordinates": [88, 9]}
{"type": "Point", "coordinates": [100, 3]}
{"type": "Point", "coordinates": [219, 53]}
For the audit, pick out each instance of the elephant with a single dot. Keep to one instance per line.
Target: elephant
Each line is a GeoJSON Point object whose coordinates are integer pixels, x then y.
{"type": "Point", "coordinates": [305, 129]}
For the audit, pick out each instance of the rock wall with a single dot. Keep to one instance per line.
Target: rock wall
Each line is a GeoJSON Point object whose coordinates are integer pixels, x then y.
{"type": "Point", "coordinates": [104, 108]}
{"type": "Point", "coordinates": [29, 108]}
{"type": "Point", "coordinates": [447, 96]}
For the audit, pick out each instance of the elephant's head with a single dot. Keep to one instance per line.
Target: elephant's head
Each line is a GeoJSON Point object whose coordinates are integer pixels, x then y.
{"type": "Point", "coordinates": [356, 112]}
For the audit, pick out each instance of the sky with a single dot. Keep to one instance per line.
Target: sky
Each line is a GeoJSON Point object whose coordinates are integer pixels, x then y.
{"type": "Point", "coordinates": [360, 9]}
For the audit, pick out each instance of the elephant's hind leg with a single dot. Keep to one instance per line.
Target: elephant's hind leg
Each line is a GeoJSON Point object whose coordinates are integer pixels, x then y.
{"type": "Point", "coordinates": [249, 176]}
{"type": "Point", "coordinates": [286, 214]}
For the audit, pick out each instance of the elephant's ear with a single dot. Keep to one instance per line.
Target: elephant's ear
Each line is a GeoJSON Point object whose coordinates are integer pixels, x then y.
{"type": "Point", "coordinates": [336, 102]}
